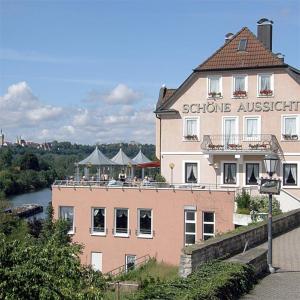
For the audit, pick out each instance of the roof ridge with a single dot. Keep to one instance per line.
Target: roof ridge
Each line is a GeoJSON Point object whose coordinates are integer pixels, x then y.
{"type": "Point", "coordinates": [224, 45]}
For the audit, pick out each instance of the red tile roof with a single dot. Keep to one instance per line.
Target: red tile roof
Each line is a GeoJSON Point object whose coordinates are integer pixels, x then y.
{"type": "Point", "coordinates": [228, 56]}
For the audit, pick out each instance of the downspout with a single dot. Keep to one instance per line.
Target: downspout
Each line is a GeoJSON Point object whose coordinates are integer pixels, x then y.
{"type": "Point", "coordinates": [157, 116]}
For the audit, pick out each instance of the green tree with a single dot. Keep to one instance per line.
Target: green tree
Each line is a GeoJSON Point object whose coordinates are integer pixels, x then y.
{"type": "Point", "coordinates": [29, 161]}
{"type": "Point", "coordinates": [46, 269]}
{"type": "Point", "coordinates": [6, 157]}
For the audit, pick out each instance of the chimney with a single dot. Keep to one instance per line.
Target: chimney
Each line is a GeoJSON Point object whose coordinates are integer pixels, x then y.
{"type": "Point", "coordinates": [228, 37]}
{"type": "Point", "coordinates": [264, 32]}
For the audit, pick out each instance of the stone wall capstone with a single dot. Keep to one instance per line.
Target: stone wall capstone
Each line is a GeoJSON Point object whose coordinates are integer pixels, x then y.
{"type": "Point", "coordinates": [230, 244]}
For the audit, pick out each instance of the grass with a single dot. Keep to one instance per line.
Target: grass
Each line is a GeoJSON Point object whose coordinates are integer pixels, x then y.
{"type": "Point", "coordinates": [152, 269]}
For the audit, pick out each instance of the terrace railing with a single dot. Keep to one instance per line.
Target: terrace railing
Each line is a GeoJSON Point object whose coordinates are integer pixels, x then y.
{"type": "Point", "coordinates": [129, 184]}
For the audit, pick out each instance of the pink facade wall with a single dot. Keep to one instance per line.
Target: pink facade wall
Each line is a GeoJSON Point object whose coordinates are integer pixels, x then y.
{"type": "Point", "coordinates": [168, 220]}
{"type": "Point", "coordinates": [174, 149]}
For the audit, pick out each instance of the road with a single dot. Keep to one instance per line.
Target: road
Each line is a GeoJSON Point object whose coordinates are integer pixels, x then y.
{"type": "Point", "coordinates": [285, 283]}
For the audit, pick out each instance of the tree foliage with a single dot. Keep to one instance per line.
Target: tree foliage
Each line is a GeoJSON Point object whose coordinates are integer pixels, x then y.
{"type": "Point", "coordinates": [46, 268]}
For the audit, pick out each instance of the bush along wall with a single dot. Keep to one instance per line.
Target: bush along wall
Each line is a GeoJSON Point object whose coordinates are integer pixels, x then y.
{"type": "Point", "coordinates": [213, 280]}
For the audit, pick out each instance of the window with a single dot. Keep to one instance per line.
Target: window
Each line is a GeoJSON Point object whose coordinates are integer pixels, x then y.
{"type": "Point", "coordinates": [230, 131]}
{"type": "Point", "coordinates": [208, 225]}
{"type": "Point", "coordinates": [265, 85]}
{"type": "Point", "coordinates": [96, 261]}
{"type": "Point", "coordinates": [121, 222]}
{"type": "Point", "coordinates": [229, 173]}
{"type": "Point", "coordinates": [252, 128]}
{"type": "Point", "coordinates": [190, 227]}
{"type": "Point", "coordinates": [214, 87]}
{"type": "Point", "coordinates": [290, 174]}
{"type": "Point", "coordinates": [242, 45]}
{"type": "Point", "coordinates": [145, 222]}
{"type": "Point", "coordinates": [130, 262]}
{"type": "Point", "coordinates": [252, 173]}
{"type": "Point", "coordinates": [239, 86]}
{"type": "Point", "coordinates": [290, 127]}
{"type": "Point", "coordinates": [98, 221]}
{"type": "Point", "coordinates": [191, 172]}
{"type": "Point", "coordinates": [67, 213]}
{"type": "Point", "coordinates": [191, 128]}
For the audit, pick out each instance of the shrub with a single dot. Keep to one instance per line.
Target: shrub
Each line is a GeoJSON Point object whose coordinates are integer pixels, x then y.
{"type": "Point", "coordinates": [159, 178]}
{"type": "Point", "coordinates": [213, 280]}
{"type": "Point", "coordinates": [243, 200]}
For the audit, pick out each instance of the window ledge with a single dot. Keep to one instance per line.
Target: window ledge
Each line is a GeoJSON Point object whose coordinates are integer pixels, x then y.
{"type": "Point", "coordinates": [265, 96]}
{"type": "Point", "coordinates": [98, 234]}
{"type": "Point", "coordinates": [71, 232]}
{"type": "Point", "coordinates": [144, 236]}
{"type": "Point", "coordinates": [121, 235]}
{"type": "Point", "coordinates": [290, 186]}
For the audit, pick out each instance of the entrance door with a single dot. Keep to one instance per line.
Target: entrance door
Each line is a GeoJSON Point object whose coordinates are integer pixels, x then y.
{"type": "Point", "coordinates": [97, 261]}
{"type": "Point", "coordinates": [130, 262]}
{"type": "Point", "coordinates": [230, 131]}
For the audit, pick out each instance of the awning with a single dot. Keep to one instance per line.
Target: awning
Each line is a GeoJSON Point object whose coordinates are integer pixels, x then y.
{"type": "Point", "coordinates": [152, 164]}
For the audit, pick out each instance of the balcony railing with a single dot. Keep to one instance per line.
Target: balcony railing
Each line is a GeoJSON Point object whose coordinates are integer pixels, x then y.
{"type": "Point", "coordinates": [240, 143]}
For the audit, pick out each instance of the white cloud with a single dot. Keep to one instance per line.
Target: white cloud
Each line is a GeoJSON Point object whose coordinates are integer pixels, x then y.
{"type": "Point", "coordinates": [20, 107]}
{"type": "Point", "coordinates": [113, 120]}
{"type": "Point", "coordinates": [121, 94]}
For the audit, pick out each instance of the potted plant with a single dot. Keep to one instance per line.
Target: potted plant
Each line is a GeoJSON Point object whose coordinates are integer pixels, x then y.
{"type": "Point", "coordinates": [191, 137]}
{"type": "Point", "coordinates": [214, 94]}
{"type": "Point", "coordinates": [239, 93]}
{"type": "Point", "coordinates": [266, 92]}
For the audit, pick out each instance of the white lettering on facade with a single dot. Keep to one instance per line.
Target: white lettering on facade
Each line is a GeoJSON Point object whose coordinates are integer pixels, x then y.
{"type": "Point", "coordinates": [243, 107]}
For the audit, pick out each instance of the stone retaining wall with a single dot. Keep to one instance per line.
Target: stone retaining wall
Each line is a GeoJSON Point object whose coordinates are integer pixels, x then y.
{"type": "Point", "coordinates": [227, 245]}
{"type": "Point", "coordinates": [256, 257]}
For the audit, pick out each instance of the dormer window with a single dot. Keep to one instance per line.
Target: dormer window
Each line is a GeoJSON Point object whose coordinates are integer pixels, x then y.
{"type": "Point", "coordinates": [242, 45]}
{"type": "Point", "coordinates": [240, 86]}
{"type": "Point", "coordinates": [214, 87]}
{"type": "Point", "coordinates": [265, 85]}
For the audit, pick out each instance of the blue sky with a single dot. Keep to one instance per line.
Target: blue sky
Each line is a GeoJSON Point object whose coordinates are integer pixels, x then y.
{"type": "Point", "coordinates": [90, 71]}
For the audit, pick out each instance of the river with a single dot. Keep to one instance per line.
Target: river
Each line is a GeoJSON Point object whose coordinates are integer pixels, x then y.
{"type": "Point", "coordinates": [42, 197]}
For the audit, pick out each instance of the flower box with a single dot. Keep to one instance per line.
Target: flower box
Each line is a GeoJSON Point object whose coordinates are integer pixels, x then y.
{"type": "Point", "coordinates": [239, 93]}
{"type": "Point", "coordinates": [290, 136]}
{"type": "Point", "coordinates": [214, 95]}
{"type": "Point", "coordinates": [266, 93]}
{"type": "Point", "coordinates": [192, 137]}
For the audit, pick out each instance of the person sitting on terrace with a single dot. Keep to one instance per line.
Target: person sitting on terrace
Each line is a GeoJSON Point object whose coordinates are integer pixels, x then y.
{"type": "Point", "coordinates": [135, 181]}
{"type": "Point", "coordinates": [122, 176]}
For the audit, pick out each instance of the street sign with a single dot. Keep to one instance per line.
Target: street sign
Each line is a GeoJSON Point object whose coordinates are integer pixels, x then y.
{"type": "Point", "coordinates": [270, 186]}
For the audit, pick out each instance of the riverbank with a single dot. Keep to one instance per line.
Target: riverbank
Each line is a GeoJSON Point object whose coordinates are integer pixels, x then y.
{"type": "Point", "coordinates": [41, 197]}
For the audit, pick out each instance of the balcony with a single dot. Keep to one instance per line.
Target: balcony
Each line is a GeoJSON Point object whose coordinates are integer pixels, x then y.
{"type": "Point", "coordinates": [240, 143]}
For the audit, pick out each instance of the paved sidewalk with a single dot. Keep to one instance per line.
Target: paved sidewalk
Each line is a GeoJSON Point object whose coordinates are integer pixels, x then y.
{"type": "Point", "coordinates": [285, 283]}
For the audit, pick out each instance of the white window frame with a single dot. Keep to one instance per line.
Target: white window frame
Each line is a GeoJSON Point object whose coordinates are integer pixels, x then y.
{"type": "Point", "coordinates": [237, 173]}
{"type": "Point", "coordinates": [212, 223]}
{"type": "Point", "coordinates": [245, 169]}
{"type": "Point", "coordinates": [183, 170]}
{"type": "Point", "coordinates": [190, 222]}
{"type": "Point", "coordinates": [271, 82]}
{"type": "Point", "coordinates": [236, 127]}
{"type": "Point", "coordinates": [144, 235]}
{"type": "Point", "coordinates": [101, 263]}
{"type": "Point", "coordinates": [220, 85]}
{"type": "Point", "coordinates": [298, 174]}
{"type": "Point", "coordinates": [184, 126]}
{"type": "Point", "coordinates": [283, 117]}
{"type": "Point", "coordinates": [72, 231]}
{"type": "Point", "coordinates": [245, 137]}
{"type": "Point", "coordinates": [233, 85]}
{"type": "Point", "coordinates": [115, 223]}
{"type": "Point", "coordinates": [92, 222]}
{"type": "Point", "coordinates": [126, 262]}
